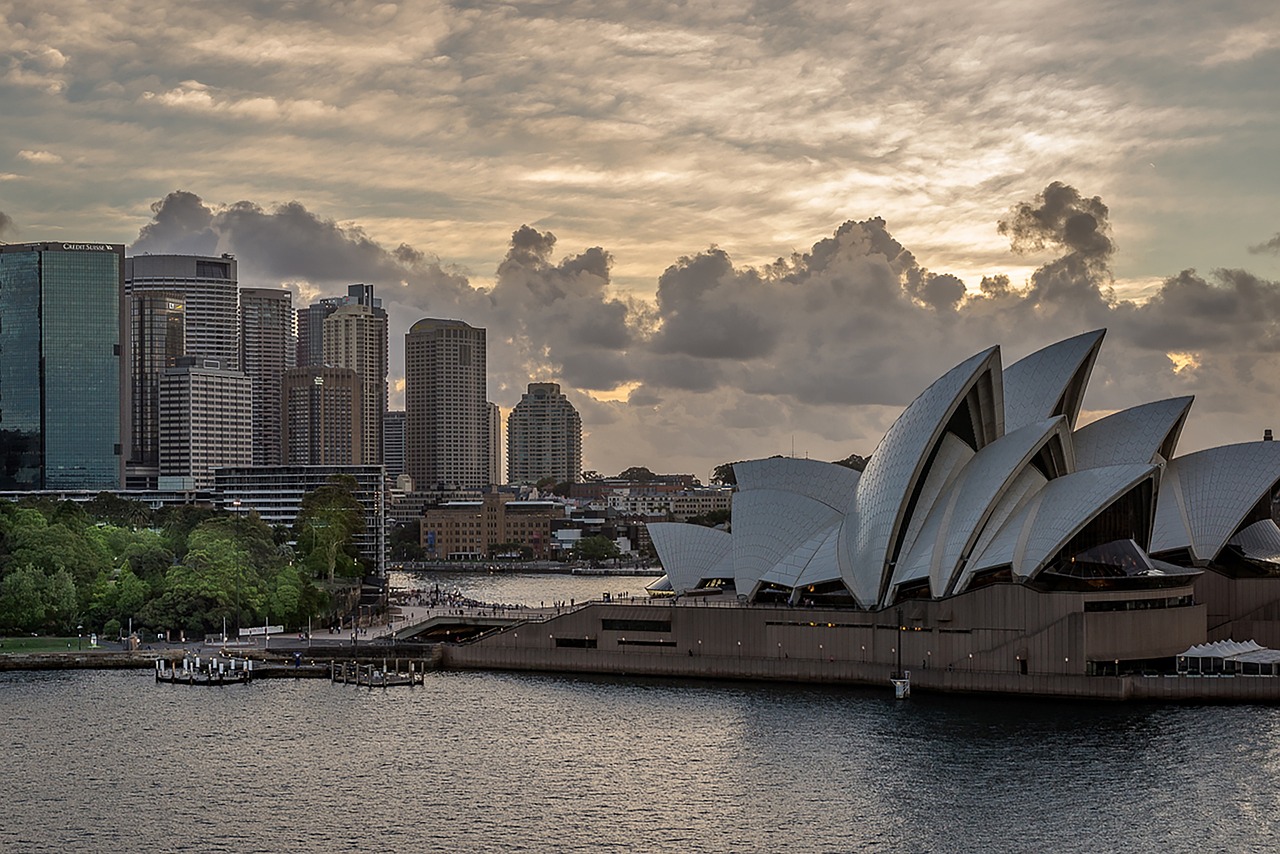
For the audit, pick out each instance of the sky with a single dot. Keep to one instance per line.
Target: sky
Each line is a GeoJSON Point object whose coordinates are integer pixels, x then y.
{"type": "Point", "coordinates": [727, 229]}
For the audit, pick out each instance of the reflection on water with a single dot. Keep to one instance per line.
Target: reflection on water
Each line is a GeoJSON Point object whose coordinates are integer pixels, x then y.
{"type": "Point", "coordinates": [101, 760]}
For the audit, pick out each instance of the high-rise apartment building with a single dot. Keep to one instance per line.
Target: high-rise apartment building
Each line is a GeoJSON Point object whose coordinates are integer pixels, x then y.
{"type": "Point", "coordinates": [393, 443]}
{"type": "Point", "coordinates": [322, 417]}
{"type": "Point", "coordinates": [267, 350]}
{"type": "Point", "coordinates": [157, 326]}
{"type": "Point", "coordinates": [544, 437]}
{"type": "Point", "coordinates": [494, 427]}
{"type": "Point", "coordinates": [310, 322]}
{"type": "Point", "coordinates": [207, 287]}
{"type": "Point", "coordinates": [446, 408]}
{"type": "Point", "coordinates": [355, 337]}
{"type": "Point", "coordinates": [63, 421]}
{"type": "Point", "coordinates": [205, 422]}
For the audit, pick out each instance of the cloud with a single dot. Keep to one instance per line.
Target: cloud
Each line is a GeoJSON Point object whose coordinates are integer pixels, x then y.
{"type": "Point", "coordinates": [822, 347]}
{"type": "Point", "coordinates": [7, 225]}
{"type": "Point", "coordinates": [43, 157]}
{"type": "Point", "coordinates": [1271, 247]}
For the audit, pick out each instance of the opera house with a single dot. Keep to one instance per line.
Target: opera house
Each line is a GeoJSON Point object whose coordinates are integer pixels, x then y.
{"type": "Point", "coordinates": [989, 538]}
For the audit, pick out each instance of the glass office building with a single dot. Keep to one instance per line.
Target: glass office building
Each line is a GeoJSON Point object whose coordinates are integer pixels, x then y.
{"type": "Point", "coordinates": [60, 366]}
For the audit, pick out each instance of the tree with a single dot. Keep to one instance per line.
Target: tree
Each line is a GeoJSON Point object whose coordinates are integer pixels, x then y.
{"type": "Point", "coordinates": [22, 606]}
{"type": "Point", "coordinates": [724, 475]}
{"type": "Point", "coordinates": [639, 474]}
{"type": "Point", "coordinates": [544, 482]}
{"type": "Point", "coordinates": [61, 609]}
{"type": "Point", "coordinates": [405, 541]}
{"type": "Point", "coordinates": [596, 548]}
{"type": "Point", "coordinates": [855, 462]}
{"type": "Point", "coordinates": [326, 526]}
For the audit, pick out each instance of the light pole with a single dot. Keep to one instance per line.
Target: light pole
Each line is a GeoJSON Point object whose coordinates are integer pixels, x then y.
{"type": "Point", "coordinates": [79, 637]}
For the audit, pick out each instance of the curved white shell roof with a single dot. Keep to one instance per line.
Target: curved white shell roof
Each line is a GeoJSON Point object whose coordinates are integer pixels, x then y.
{"type": "Point", "coordinates": [1260, 540]}
{"type": "Point", "coordinates": [896, 466]}
{"type": "Point", "coordinates": [959, 515]}
{"type": "Point", "coordinates": [769, 525]}
{"type": "Point", "coordinates": [788, 571]}
{"type": "Point", "coordinates": [1132, 435]}
{"type": "Point", "coordinates": [833, 485]}
{"type": "Point", "coordinates": [1050, 381]}
{"type": "Point", "coordinates": [1066, 504]}
{"type": "Point", "coordinates": [952, 458]}
{"type": "Point", "coordinates": [690, 553]}
{"type": "Point", "coordinates": [1206, 495]}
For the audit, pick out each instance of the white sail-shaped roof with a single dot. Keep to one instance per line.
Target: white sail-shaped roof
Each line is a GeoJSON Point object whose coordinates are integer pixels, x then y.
{"type": "Point", "coordinates": [1205, 496]}
{"type": "Point", "coordinates": [1050, 382]}
{"type": "Point", "coordinates": [769, 525]}
{"type": "Point", "coordinates": [1055, 514]}
{"type": "Point", "coordinates": [899, 461]}
{"type": "Point", "coordinates": [952, 458]}
{"type": "Point", "coordinates": [1017, 495]}
{"type": "Point", "coordinates": [960, 514]}
{"type": "Point", "coordinates": [833, 485]}
{"type": "Point", "coordinates": [1134, 435]}
{"type": "Point", "coordinates": [1260, 541]}
{"type": "Point", "coordinates": [787, 571]}
{"type": "Point", "coordinates": [690, 553]}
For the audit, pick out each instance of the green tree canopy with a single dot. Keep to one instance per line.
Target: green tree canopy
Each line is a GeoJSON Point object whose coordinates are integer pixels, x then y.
{"type": "Point", "coordinates": [596, 548]}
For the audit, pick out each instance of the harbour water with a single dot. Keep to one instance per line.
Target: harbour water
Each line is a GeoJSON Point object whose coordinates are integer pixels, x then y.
{"type": "Point", "coordinates": [108, 760]}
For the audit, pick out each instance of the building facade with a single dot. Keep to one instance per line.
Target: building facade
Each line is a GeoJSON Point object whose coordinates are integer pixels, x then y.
{"type": "Point", "coordinates": [544, 437]}
{"type": "Point", "coordinates": [393, 443]}
{"type": "Point", "coordinates": [355, 337]}
{"type": "Point", "coordinates": [63, 411]}
{"type": "Point", "coordinates": [267, 350]}
{"type": "Point", "coordinates": [472, 530]}
{"type": "Point", "coordinates": [209, 292]}
{"type": "Point", "coordinates": [446, 407]}
{"type": "Point", "coordinates": [157, 324]}
{"type": "Point", "coordinates": [495, 444]}
{"type": "Point", "coordinates": [322, 420]}
{"type": "Point", "coordinates": [205, 422]}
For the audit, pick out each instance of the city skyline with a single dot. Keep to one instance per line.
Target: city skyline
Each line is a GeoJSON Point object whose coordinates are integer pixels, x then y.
{"type": "Point", "coordinates": [612, 214]}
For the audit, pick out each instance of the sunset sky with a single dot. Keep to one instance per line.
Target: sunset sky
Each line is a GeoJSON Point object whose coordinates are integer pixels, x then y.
{"type": "Point", "coordinates": [728, 229]}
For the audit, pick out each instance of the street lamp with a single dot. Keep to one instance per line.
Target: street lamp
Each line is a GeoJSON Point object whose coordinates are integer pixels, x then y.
{"type": "Point", "coordinates": [79, 637]}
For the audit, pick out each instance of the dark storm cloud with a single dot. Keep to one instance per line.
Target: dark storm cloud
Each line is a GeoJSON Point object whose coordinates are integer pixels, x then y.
{"type": "Point", "coordinates": [181, 224]}
{"type": "Point", "coordinates": [1270, 247]}
{"type": "Point", "coordinates": [6, 224]}
{"type": "Point", "coordinates": [1059, 217]}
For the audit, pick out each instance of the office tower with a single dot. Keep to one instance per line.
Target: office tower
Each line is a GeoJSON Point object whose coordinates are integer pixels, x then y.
{"type": "Point", "coordinates": [393, 443]}
{"type": "Point", "coordinates": [355, 336]}
{"type": "Point", "coordinates": [63, 415]}
{"type": "Point", "coordinates": [322, 417]}
{"type": "Point", "coordinates": [544, 437]}
{"type": "Point", "coordinates": [207, 287]}
{"type": "Point", "coordinates": [157, 324]}
{"type": "Point", "coordinates": [446, 410]}
{"type": "Point", "coordinates": [311, 319]}
{"type": "Point", "coordinates": [267, 350]}
{"type": "Point", "coordinates": [494, 429]}
{"type": "Point", "coordinates": [205, 422]}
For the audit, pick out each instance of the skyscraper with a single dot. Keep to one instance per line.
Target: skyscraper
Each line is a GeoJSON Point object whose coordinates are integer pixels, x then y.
{"type": "Point", "coordinates": [311, 321]}
{"type": "Point", "coordinates": [322, 416]}
{"type": "Point", "coordinates": [355, 336]}
{"type": "Point", "coordinates": [446, 409]}
{"type": "Point", "coordinates": [544, 437]}
{"type": "Point", "coordinates": [157, 323]}
{"type": "Point", "coordinates": [62, 422]}
{"type": "Point", "coordinates": [205, 416]}
{"type": "Point", "coordinates": [267, 350]}
{"type": "Point", "coordinates": [208, 288]}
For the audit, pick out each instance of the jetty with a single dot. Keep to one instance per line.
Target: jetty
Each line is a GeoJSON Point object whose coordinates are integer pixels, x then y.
{"type": "Point", "coordinates": [371, 676]}
{"type": "Point", "coordinates": [208, 671]}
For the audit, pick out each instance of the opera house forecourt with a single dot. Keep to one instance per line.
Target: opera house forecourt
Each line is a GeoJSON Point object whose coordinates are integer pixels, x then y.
{"type": "Point", "coordinates": [990, 544]}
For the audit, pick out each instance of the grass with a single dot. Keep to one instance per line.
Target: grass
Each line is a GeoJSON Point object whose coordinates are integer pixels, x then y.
{"type": "Point", "coordinates": [41, 644]}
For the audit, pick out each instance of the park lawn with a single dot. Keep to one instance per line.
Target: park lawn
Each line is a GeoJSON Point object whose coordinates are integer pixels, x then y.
{"type": "Point", "coordinates": [40, 644]}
